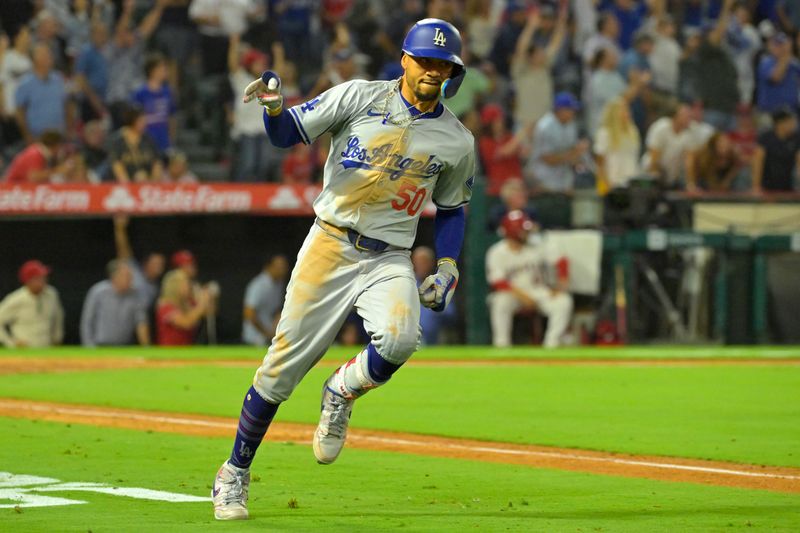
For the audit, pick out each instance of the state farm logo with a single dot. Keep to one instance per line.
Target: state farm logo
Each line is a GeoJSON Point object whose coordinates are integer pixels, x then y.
{"type": "Point", "coordinates": [156, 198]}
{"type": "Point", "coordinates": [44, 199]}
{"type": "Point", "coordinates": [119, 200]}
{"type": "Point", "coordinates": [160, 199]}
{"type": "Point", "coordinates": [285, 199]}
{"type": "Point", "coordinates": [293, 198]}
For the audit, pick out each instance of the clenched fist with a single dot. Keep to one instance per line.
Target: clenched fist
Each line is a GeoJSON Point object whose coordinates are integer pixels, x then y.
{"type": "Point", "coordinates": [267, 90]}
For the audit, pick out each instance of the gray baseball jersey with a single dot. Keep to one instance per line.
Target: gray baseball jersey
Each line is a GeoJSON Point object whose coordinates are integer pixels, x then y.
{"type": "Point", "coordinates": [382, 169]}
{"type": "Point", "coordinates": [384, 165]}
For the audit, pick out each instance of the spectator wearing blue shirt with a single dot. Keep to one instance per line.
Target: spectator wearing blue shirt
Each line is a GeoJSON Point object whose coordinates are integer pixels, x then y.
{"type": "Point", "coordinates": [714, 9]}
{"type": "Point", "coordinates": [155, 99]}
{"type": "Point", "coordinates": [556, 147]}
{"type": "Point", "coordinates": [631, 15]}
{"type": "Point", "coordinates": [91, 73]}
{"type": "Point", "coordinates": [113, 314]}
{"type": "Point", "coordinates": [778, 76]}
{"type": "Point", "coordinates": [263, 300]}
{"type": "Point", "coordinates": [692, 14]}
{"type": "Point", "coordinates": [147, 274]}
{"type": "Point", "coordinates": [637, 57]}
{"type": "Point", "coordinates": [294, 19]}
{"type": "Point", "coordinates": [41, 97]}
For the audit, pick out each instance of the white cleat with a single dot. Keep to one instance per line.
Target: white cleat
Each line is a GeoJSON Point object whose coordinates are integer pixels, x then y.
{"type": "Point", "coordinates": [230, 493]}
{"type": "Point", "coordinates": [332, 429]}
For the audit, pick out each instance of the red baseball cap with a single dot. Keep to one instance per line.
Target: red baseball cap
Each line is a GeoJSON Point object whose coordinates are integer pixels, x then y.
{"type": "Point", "coordinates": [182, 258]}
{"type": "Point", "coordinates": [253, 55]}
{"type": "Point", "coordinates": [516, 224]}
{"type": "Point", "coordinates": [32, 269]}
{"type": "Point", "coordinates": [490, 113]}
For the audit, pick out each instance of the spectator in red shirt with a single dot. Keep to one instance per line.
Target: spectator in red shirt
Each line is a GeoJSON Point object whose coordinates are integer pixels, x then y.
{"type": "Point", "coordinates": [499, 149]}
{"type": "Point", "coordinates": [744, 136]}
{"type": "Point", "coordinates": [35, 164]}
{"type": "Point", "coordinates": [178, 315]}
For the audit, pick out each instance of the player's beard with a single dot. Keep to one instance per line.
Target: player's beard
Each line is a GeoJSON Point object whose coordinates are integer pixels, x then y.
{"type": "Point", "coordinates": [426, 96]}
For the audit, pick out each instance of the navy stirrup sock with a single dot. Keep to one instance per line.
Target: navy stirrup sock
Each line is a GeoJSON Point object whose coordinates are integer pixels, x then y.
{"type": "Point", "coordinates": [379, 368]}
{"type": "Point", "coordinates": [254, 420]}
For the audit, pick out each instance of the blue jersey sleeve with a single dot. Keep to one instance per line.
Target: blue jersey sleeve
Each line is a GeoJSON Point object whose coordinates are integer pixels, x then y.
{"type": "Point", "coordinates": [282, 130]}
{"type": "Point", "coordinates": [449, 226]}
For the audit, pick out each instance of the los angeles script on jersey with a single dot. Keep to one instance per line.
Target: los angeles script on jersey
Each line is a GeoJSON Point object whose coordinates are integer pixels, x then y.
{"type": "Point", "coordinates": [394, 163]}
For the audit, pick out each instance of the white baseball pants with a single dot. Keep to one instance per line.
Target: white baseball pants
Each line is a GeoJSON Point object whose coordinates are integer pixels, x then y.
{"type": "Point", "coordinates": [330, 278]}
{"type": "Point", "coordinates": [557, 308]}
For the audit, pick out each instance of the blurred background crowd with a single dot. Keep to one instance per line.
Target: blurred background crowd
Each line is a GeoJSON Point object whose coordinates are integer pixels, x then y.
{"type": "Point", "coordinates": [698, 95]}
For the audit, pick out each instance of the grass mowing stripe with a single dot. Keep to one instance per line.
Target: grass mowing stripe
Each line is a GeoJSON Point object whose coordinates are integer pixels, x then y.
{"type": "Point", "coordinates": [780, 480]}
{"type": "Point", "coordinates": [43, 365]}
{"type": "Point", "coordinates": [429, 352]}
{"type": "Point", "coordinates": [739, 414]}
{"type": "Point", "coordinates": [365, 491]}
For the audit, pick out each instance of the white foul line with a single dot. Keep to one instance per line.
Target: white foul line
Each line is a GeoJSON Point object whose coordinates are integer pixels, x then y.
{"type": "Point", "coordinates": [418, 444]}
{"type": "Point", "coordinates": [560, 455]}
{"type": "Point", "coordinates": [128, 416]}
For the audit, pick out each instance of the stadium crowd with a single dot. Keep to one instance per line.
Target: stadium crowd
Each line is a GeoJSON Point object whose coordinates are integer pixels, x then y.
{"type": "Point", "coordinates": [563, 94]}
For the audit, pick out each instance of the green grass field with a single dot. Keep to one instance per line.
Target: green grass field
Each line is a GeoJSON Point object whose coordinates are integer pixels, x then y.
{"type": "Point", "coordinates": [721, 411]}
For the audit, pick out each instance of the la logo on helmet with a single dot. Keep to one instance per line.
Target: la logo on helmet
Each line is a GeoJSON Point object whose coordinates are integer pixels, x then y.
{"type": "Point", "coordinates": [438, 38]}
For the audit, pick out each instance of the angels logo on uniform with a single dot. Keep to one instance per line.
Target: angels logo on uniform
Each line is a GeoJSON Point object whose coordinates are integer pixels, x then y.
{"type": "Point", "coordinates": [439, 39]}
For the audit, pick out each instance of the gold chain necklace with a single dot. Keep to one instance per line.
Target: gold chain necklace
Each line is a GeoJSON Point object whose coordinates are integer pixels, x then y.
{"type": "Point", "coordinates": [387, 116]}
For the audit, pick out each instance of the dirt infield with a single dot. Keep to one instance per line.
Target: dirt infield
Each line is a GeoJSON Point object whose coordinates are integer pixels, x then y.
{"type": "Point", "coordinates": [33, 365]}
{"type": "Point", "coordinates": [780, 479]}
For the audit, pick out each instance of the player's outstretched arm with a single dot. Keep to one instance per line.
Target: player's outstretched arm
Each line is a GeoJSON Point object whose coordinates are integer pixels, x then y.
{"type": "Point", "coordinates": [282, 130]}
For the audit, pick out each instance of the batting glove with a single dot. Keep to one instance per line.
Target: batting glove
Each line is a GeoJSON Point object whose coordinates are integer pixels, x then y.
{"type": "Point", "coordinates": [436, 291]}
{"type": "Point", "coordinates": [267, 90]}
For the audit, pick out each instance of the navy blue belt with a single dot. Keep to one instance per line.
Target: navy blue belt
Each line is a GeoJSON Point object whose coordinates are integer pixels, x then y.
{"type": "Point", "coordinates": [366, 244]}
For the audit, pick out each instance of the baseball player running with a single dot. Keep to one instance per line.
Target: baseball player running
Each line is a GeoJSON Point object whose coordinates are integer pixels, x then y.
{"type": "Point", "coordinates": [394, 146]}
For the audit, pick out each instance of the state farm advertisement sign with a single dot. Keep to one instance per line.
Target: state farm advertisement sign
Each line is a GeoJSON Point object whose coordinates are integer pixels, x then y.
{"type": "Point", "coordinates": [156, 199]}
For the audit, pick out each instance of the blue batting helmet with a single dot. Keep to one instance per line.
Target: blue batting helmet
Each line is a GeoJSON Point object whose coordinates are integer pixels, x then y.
{"type": "Point", "coordinates": [438, 39]}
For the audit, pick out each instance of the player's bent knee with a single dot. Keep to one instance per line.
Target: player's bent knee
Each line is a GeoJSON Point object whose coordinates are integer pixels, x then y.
{"type": "Point", "coordinates": [266, 396]}
{"type": "Point", "coordinates": [379, 369]}
{"type": "Point", "coordinates": [396, 346]}
{"type": "Point", "coordinates": [272, 386]}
